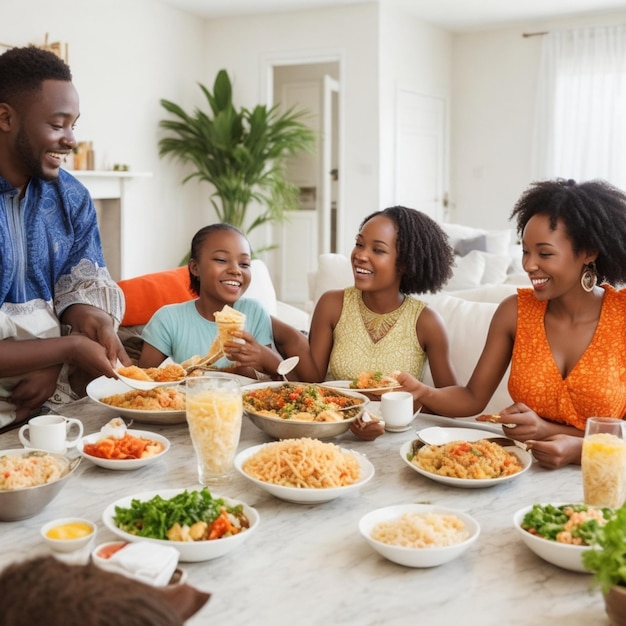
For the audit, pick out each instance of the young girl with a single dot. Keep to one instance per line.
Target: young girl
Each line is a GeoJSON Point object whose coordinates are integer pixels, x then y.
{"type": "Point", "coordinates": [377, 325]}
{"type": "Point", "coordinates": [219, 271]}
{"type": "Point", "coordinates": [566, 337]}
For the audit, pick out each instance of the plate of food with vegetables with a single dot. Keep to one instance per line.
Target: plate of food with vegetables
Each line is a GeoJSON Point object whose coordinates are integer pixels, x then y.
{"type": "Point", "coordinates": [561, 533]}
{"type": "Point", "coordinates": [200, 525]}
{"type": "Point", "coordinates": [374, 382]}
{"type": "Point", "coordinates": [117, 447]}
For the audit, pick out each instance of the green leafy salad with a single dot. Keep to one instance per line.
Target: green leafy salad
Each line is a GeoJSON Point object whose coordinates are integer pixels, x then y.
{"type": "Point", "coordinates": [576, 524]}
{"type": "Point", "coordinates": [155, 517]}
{"type": "Point", "coordinates": [608, 560]}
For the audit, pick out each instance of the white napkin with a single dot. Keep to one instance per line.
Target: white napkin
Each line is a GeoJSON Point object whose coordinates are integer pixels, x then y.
{"type": "Point", "coordinates": [146, 561]}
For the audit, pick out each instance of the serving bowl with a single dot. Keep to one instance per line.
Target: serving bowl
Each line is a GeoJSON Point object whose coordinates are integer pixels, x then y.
{"type": "Point", "coordinates": [562, 555]}
{"type": "Point", "coordinates": [417, 557]}
{"type": "Point", "coordinates": [18, 504]}
{"type": "Point", "coordinates": [124, 464]}
{"type": "Point", "coordinates": [279, 428]}
{"type": "Point", "coordinates": [68, 534]}
{"type": "Point", "coordinates": [302, 495]}
{"type": "Point", "coordinates": [103, 387]}
{"type": "Point", "coordinates": [190, 551]}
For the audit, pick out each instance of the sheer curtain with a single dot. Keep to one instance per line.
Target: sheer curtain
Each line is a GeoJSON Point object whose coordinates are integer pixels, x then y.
{"type": "Point", "coordinates": [580, 117]}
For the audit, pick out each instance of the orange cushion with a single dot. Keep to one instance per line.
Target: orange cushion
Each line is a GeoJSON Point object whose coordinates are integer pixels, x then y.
{"type": "Point", "coordinates": [145, 294]}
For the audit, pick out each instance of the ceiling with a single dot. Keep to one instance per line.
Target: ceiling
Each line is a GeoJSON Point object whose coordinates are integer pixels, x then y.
{"type": "Point", "coordinates": [454, 15]}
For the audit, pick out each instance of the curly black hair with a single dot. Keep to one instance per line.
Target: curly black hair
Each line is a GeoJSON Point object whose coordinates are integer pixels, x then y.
{"type": "Point", "coordinates": [594, 215]}
{"type": "Point", "coordinates": [424, 255]}
{"type": "Point", "coordinates": [22, 70]}
{"type": "Point", "coordinates": [196, 245]}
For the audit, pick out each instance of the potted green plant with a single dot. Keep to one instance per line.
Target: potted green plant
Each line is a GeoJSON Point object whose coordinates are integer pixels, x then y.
{"type": "Point", "coordinates": [608, 564]}
{"type": "Point", "coordinates": [242, 153]}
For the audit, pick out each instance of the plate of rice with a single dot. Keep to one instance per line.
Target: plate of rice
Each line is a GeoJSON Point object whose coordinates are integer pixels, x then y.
{"type": "Point", "coordinates": [419, 535]}
{"type": "Point", "coordinates": [163, 405]}
{"type": "Point", "coordinates": [467, 463]}
{"type": "Point", "coordinates": [30, 480]}
{"type": "Point", "coordinates": [304, 471]}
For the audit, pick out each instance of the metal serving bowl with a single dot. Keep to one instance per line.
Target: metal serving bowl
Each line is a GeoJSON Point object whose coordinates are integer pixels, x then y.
{"type": "Point", "coordinates": [292, 429]}
{"type": "Point", "coordinates": [17, 504]}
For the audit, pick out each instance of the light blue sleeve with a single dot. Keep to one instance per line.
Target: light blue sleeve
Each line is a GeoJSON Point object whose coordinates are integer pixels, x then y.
{"type": "Point", "coordinates": [157, 331]}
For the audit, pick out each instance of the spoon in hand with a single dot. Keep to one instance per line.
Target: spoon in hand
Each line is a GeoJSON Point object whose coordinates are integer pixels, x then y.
{"type": "Point", "coordinates": [284, 367]}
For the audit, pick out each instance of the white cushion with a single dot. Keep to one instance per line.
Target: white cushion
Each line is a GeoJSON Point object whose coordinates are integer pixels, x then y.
{"type": "Point", "coordinates": [496, 268]}
{"type": "Point", "coordinates": [497, 241]}
{"type": "Point", "coordinates": [467, 272]}
{"type": "Point", "coordinates": [467, 324]}
{"type": "Point", "coordinates": [334, 272]}
{"type": "Point", "coordinates": [261, 286]}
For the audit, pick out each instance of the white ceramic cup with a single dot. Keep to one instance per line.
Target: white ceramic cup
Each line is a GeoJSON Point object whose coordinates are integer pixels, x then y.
{"type": "Point", "coordinates": [396, 409]}
{"type": "Point", "coordinates": [50, 433]}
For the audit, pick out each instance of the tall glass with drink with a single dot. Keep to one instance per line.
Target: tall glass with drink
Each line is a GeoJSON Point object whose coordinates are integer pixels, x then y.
{"type": "Point", "coordinates": [214, 411]}
{"type": "Point", "coordinates": [604, 462]}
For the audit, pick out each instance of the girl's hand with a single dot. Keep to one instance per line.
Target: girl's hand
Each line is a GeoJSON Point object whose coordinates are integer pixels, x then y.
{"type": "Point", "coordinates": [246, 352]}
{"type": "Point", "coordinates": [367, 428]}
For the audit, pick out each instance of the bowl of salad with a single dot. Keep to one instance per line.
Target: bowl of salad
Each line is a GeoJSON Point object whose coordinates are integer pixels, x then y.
{"type": "Point", "coordinates": [561, 533]}
{"type": "Point", "coordinates": [200, 525]}
{"type": "Point", "coordinates": [294, 410]}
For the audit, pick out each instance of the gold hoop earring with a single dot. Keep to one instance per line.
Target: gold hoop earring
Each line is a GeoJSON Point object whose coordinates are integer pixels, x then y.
{"type": "Point", "coordinates": [589, 278]}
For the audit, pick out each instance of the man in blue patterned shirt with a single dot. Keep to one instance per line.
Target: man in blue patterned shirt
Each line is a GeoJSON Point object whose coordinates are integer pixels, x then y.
{"type": "Point", "coordinates": [59, 307]}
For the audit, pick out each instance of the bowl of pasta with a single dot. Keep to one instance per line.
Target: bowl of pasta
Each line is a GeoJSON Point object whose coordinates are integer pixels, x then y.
{"type": "Point", "coordinates": [199, 524]}
{"type": "Point", "coordinates": [293, 410]}
{"type": "Point", "coordinates": [304, 471]}
{"type": "Point", "coordinates": [30, 480]}
{"type": "Point", "coordinates": [419, 535]}
{"type": "Point", "coordinates": [560, 533]}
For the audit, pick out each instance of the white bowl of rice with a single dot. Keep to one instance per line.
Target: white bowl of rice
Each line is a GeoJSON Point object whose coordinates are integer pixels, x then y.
{"type": "Point", "coordinates": [419, 535]}
{"type": "Point", "coordinates": [30, 480]}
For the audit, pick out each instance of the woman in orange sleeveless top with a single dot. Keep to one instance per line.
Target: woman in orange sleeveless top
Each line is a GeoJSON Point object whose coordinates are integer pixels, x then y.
{"type": "Point", "coordinates": [566, 337]}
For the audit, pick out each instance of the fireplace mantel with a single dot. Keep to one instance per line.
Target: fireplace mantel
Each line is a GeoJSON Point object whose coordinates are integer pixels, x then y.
{"type": "Point", "coordinates": [107, 188]}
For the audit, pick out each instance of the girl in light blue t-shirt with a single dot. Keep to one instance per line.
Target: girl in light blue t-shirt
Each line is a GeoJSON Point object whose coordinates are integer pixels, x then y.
{"type": "Point", "coordinates": [219, 272]}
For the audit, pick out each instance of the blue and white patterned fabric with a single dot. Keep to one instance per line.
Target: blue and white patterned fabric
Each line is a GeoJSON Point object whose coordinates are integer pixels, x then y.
{"type": "Point", "coordinates": [50, 258]}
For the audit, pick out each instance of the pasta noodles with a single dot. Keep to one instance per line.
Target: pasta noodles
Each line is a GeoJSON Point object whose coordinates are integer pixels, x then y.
{"type": "Point", "coordinates": [604, 470]}
{"type": "Point", "coordinates": [421, 530]}
{"type": "Point", "coordinates": [214, 419]}
{"type": "Point", "coordinates": [303, 463]}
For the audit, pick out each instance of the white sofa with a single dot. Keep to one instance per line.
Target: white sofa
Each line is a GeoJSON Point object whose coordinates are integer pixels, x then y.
{"type": "Point", "coordinates": [466, 312]}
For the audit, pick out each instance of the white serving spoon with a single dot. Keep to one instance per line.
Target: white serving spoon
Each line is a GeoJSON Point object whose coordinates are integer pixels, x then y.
{"type": "Point", "coordinates": [146, 385]}
{"type": "Point", "coordinates": [284, 367]}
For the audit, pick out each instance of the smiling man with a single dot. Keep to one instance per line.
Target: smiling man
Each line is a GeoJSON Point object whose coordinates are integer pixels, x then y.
{"type": "Point", "coordinates": [59, 307]}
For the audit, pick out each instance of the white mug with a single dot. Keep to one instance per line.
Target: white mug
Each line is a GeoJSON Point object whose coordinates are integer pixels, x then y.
{"type": "Point", "coordinates": [396, 409]}
{"type": "Point", "coordinates": [50, 433]}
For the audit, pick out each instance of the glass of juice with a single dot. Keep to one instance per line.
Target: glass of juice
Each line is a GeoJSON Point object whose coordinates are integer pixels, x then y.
{"type": "Point", "coordinates": [214, 412]}
{"type": "Point", "coordinates": [603, 462]}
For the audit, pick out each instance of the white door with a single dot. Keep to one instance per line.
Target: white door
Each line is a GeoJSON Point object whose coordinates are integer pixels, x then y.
{"type": "Point", "coordinates": [299, 238]}
{"type": "Point", "coordinates": [420, 153]}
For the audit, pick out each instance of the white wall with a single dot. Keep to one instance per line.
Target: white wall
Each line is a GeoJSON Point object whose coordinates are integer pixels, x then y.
{"type": "Point", "coordinates": [493, 99]}
{"type": "Point", "coordinates": [247, 45]}
{"type": "Point", "coordinates": [126, 56]}
{"type": "Point", "coordinates": [416, 56]}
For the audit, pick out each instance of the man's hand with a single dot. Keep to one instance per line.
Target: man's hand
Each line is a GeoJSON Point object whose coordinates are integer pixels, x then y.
{"type": "Point", "coordinates": [33, 390]}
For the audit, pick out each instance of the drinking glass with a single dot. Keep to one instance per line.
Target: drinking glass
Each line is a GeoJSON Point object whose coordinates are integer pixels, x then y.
{"type": "Point", "coordinates": [214, 411]}
{"type": "Point", "coordinates": [603, 462]}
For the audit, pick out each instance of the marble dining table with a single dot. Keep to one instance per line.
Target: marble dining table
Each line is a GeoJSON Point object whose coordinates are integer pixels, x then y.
{"type": "Point", "coordinates": [308, 564]}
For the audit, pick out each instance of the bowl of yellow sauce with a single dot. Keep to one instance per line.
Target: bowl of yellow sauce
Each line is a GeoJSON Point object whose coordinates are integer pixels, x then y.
{"type": "Point", "coordinates": [68, 534]}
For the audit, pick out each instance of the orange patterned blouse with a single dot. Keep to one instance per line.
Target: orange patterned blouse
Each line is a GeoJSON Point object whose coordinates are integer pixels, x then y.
{"type": "Point", "coordinates": [597, 383]}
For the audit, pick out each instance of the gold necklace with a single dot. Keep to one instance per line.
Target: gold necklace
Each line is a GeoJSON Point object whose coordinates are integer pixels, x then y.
{"type": "Point", "coordinates": [378, 324]}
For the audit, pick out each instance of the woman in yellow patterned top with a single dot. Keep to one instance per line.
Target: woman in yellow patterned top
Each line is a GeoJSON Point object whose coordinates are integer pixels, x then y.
{"type": "Point", "coordinates": [377, 325]}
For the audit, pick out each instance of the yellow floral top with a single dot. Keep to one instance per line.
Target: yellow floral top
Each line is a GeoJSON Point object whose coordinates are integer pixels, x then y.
{"type": "Point", "coordinates": [597, 383]}
{"type": "Point", "coordinates": [354, 351]}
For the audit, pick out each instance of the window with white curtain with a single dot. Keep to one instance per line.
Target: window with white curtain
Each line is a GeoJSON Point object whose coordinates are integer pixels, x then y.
{"type": "Point", "coordinates": [580, 117]}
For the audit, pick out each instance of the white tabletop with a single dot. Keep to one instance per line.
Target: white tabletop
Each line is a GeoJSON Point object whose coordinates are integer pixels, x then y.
{"type": "Point", "coordinates": [307, 564]}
